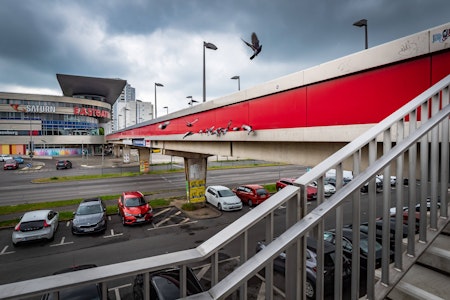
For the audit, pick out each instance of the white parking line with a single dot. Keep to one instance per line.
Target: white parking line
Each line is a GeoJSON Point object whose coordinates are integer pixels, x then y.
{"type": "Point", "coordinates": [5, 252]}
{"type": "Point", "coordinates": [161, 212]}
{"type": "Point", "coordinates": [112, 234]}
{"type": "Point", "coordinates": [62, 243]}
{"type": "Point", "coordinates": [173, 225]}
{"type": "Point", "coordinates": [167, 219]}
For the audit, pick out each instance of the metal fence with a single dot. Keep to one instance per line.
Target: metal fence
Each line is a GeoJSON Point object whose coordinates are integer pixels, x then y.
{"type": "Point", "coordinates": [411, 143]}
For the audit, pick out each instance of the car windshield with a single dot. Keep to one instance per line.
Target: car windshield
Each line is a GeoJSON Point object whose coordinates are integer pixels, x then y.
{"type": "Point", "coordinates": [364, 245]}
{"type": "Point", "coordinates": [133, 202]}
{"type": "Point", "coordinates": [89, 209]}
{"type": "Point", "coordinates": [261, 192]}
{"type": "Point", "coordinates": [225, 193]}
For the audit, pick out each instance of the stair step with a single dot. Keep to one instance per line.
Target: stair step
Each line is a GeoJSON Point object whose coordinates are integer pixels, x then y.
{"type": "Point", "coordinates": [422, 283]}
{"type": "Point", "coordinates": [437, 255]}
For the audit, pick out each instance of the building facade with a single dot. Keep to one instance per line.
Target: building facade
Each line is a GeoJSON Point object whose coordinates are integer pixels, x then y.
{"type": "Point", "coordinates": [71, 124]}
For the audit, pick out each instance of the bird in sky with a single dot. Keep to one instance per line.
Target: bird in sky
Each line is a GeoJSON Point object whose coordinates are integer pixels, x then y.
{"type": "Point", "coordinates": [256, 47]}
{"type": "Point", "coordinates": [164, 125]}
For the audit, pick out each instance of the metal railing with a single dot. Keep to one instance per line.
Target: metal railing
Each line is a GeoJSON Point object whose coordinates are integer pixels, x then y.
{"type": "Point", "coordinates": [401, 138]}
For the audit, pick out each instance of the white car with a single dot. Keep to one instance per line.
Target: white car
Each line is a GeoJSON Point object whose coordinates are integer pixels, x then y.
{"type": "Point", "coordinates": [223, 198]}
{"type": "Point", "coordinates": [328, 189]}
{"type": "Point", "coordinates": [36, 225]}
{"type": "Point", "coordinates": [5, 157]}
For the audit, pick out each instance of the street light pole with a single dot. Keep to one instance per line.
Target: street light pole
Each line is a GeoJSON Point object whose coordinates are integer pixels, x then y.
{"type": "Point", "coordinates": [212, 47]}
{"type": "Point", "coordinates": [156, 106]}
{"type": "Point", "coordinates": [239, 81]}
{"type": "Point", "coordinates": [363, 23]}
{"type": "Point", "coordinates": [167, 109]}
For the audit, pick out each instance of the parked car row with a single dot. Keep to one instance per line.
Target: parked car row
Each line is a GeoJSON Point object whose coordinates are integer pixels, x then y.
{"type": "Point", "coordinates": [164, 285]}
{"type": "Point", "coordinates": [279, 265]}
{"type": "Point", "coordinates": [226, 199]}
{"type": "Point", "coordinates": [89, 217]}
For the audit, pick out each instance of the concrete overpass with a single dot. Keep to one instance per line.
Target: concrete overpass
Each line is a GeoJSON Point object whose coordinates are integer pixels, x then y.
{"type": "Point", "coordinates": [303, 117]}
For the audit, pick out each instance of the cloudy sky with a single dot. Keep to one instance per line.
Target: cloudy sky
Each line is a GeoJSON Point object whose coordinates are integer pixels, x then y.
{"type": "Point", "coordinates": [148, 41]}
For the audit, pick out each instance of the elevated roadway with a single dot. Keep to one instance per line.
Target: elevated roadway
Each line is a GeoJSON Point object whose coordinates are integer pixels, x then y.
{"type": "Point", "coordinates": [303, 117]}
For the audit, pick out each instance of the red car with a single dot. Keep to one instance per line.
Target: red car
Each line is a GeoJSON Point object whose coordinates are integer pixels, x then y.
{"type": "Point", "coordinates": [10, 164]}
{"type": "Point", "coordinates": [133, 208]}
{"type": "Point", "coordinates": [251, 194]}
{"type": "Point", "coordinates": [310, 190]}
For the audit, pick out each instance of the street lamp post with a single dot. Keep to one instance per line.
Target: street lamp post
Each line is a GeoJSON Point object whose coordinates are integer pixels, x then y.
{"type": "Point", "coordinates": [212, 47]}
{"type": "Point", "coordinates": [167, 109]}
{"type": "Point", "coordinates": [156, 106]}
{"type": "Point", "coordinates": [239, 81]}
{"type": "Point", "coordinates": [363, 23]}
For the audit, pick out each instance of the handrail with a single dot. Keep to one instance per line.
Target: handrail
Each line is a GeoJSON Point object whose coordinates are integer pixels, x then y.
{"type": "Point", "coordinates": [265, 256]}
{"type": "Point", "coordinates": [292, 195]}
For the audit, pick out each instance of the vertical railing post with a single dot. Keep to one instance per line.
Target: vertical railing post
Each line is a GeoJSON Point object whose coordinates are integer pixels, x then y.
{"type": "Point", "coordinates": [339, 225]}
{"type": "Point", "coordinates": [412, 158]}
{"type": "Point", "coordinates": [269, 267]}
{"type": "Point", "coordinates": [372, 215]}
{"type": "Point", "coordinates": [398, 255]}
{"type": "Point", "coordinates": [423, 175]}
{"type": "Point", "coordinates": [243, 259]}
{"type": "Point", "coordinates": [215, 268]}
{"type": "Point", "coordinates": [387, 145]}
{"type": "Point", "coordinates": [434, 174]}
{"type": "Point", "coordinates": [356, 221]}
{"type": "Point", "coordinates": [444, 156]}
{"type": "Point", "coordinates": [291, 275]}
{"type": "Point", "coordinates": [183, 281]}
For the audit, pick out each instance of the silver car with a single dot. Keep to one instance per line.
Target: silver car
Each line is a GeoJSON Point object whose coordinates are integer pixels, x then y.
{"type": "Point", "coordinates": [223, 198]}
{"type": "Point", "coordinates": [36, 225]}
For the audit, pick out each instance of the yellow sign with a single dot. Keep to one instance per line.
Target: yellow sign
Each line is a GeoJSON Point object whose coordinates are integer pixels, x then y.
{"type": "Point", "coordinates": [197, 191]}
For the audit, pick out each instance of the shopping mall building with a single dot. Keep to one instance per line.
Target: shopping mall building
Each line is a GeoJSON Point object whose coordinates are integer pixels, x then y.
{"type": "Point", "coordinates": [71, 124]}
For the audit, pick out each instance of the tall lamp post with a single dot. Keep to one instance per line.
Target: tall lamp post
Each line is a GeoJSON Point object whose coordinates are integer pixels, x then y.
{"type": "Point", "coordinates": [212, 47]}
{"type": "Point", "coordinates": [239, 81]}
{"type": "Point", "coordinates": [156, 106]}
{"type": "Point", "coordinates": [363, 23]}
{"type": "Point", "coordinates": [167, 109]}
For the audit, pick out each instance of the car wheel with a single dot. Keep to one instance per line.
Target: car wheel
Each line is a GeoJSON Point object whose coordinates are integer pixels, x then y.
{"type": "Point", "coordinates": [250, 203]}
{"type": "Point", "coordinates": [310, 291]}
{"type": "Point", "coordinates": [219, 207]}
{"type": "Point", "coordinates": [279, 189]}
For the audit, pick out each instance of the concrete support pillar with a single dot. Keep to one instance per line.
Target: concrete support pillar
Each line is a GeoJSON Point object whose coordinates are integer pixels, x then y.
{"type": "Point", "coordinates": [195, 167]}
{"type": "Point", "coordinates": [126, 154]}
{"type": "Point", "coordinates": [144, 160]}
{"type": "Point", "coordinates": [116, 151]}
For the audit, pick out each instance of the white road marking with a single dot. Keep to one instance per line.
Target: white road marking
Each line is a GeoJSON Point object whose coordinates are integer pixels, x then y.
{"type": "Point", "coordinates": [112, 234]}
{"type": "Point", "coordinates": [5, 252]}
{"type": "Point", "coordinates": [62, 243]}
{"type": "Point", "coordinates": [173, 225]}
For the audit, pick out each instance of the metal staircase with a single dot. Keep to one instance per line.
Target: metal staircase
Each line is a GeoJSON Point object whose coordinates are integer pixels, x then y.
{"type": "Point", "coordinates": [429, 277]}
{"type": "Point", "coordinates": [411, 143]}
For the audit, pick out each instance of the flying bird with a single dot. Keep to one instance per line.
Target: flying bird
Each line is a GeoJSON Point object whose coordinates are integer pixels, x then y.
{"type": "Point", "coordinates": [256, 47]}
{"type": "Point", "coordinates": [164, 125]}
{"type": "Point", "coordinates": [187, 134]}
{"type": "Point", "coordinates": [189, 124]}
